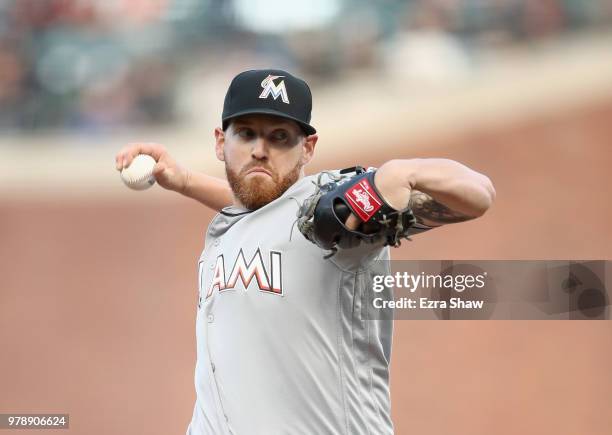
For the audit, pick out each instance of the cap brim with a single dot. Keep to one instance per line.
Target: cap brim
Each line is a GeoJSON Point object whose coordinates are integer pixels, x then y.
{"type": "Point", "coordinates": [308, 129]}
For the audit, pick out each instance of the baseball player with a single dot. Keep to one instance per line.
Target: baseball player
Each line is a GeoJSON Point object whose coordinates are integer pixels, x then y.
{"type": "Point", "coordinates": [288, 261]}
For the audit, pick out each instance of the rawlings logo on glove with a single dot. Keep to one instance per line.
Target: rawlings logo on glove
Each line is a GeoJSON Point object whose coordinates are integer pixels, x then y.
{"type": "Point", "coordinates": [323, 215]}
{"type": "Point", "coordinates": [359, 196]}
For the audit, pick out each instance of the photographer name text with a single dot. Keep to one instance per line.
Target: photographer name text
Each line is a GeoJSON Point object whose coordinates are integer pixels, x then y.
{"type": "Point", "coordinates": [428, 304]}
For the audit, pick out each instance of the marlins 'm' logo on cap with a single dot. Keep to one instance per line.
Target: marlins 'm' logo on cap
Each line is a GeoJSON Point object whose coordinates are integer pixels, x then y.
{"type": "Point", "coordinates": [245, 96]}
{"type": "Point", "coordinates": [271, 88]}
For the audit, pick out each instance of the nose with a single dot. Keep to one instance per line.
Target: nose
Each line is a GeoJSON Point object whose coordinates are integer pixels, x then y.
{"type": "Point", "coordinates": [259, 149]}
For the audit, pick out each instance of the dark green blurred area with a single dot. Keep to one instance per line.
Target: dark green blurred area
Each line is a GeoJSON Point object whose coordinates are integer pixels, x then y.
{"type": "Point", "coordinates": [87, 65]}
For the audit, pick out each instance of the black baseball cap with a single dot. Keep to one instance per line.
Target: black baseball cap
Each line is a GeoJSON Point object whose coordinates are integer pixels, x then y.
{"type": "Point", "coordinates": [269, 92]}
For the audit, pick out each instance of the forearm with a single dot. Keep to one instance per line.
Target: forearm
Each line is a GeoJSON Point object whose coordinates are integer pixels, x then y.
{"type": "Point", "coordinates": [465, 192]}
{"type": "Point", "coordinates": [211, 191]}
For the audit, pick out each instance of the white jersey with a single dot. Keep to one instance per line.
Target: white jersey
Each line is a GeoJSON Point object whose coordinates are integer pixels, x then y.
{"type": "Point", "coordinates": [283, 344]}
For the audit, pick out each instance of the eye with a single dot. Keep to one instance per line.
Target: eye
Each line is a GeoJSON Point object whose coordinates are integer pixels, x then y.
{"type": "Point", "coordinates": [279, 135]}
{"type": "Point", "coordinates": [245, 133]}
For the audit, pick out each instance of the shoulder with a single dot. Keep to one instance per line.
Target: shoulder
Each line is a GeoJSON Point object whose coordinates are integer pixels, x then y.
{"type": "Point", "coordinates": [306, 186]}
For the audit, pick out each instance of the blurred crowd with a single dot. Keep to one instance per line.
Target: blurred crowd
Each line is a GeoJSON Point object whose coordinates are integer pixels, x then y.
{"type": "Point", "coordinates": [90, 65]}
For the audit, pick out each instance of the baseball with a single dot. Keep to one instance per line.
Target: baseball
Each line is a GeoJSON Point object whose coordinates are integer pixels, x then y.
{"type": "Point", "coordinates": [139, 175]}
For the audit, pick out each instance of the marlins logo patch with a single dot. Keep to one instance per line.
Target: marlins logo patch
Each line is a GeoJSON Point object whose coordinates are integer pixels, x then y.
{"type": "Point", "coordinates": [276, 90]}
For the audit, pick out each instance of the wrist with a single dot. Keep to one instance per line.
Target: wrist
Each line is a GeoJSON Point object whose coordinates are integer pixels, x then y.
{"type": "Point", "coordinates": [186, 187]}
{"type": "Point", "coordinates": [395, 180]}
{"type": "Point", "coordinates": [400, 171]}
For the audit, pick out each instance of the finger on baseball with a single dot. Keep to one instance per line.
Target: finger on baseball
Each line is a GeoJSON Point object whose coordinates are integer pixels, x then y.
{"type": "Point", "coordinates": [158, 169]}
{"type": "Point", "coordinates": [130, 151]}
{"type": "Point", "coordinates": [153, 149]}
{"type": "Point", "coordinates": [119, 158]}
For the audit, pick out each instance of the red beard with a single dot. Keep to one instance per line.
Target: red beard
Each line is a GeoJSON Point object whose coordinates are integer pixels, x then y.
{"type": "Point", "coordinates": [258, 191]}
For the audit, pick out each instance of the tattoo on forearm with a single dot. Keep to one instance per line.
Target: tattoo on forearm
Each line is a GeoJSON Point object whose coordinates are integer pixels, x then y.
{"type": "Point", "coordinates": [425, 207]}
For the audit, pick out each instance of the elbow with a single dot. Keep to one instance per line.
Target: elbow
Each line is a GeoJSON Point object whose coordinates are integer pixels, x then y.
{"type": "Point", "coordinates": [490, 191]}
{"type": "Point", "coordinates": [487, 196]}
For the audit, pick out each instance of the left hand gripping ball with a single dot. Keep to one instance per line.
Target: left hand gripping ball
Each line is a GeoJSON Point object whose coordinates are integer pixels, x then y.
{"type": "Point", "coordinates": [139, 175]}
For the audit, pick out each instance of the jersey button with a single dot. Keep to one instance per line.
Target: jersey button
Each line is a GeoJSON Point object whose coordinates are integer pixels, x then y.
{"type": "Point", "coordinates": [213, 367]}
{"type": "Point", "coordinates": [217, 242]}
{"type": "Point", "coordinates": [211, 318]}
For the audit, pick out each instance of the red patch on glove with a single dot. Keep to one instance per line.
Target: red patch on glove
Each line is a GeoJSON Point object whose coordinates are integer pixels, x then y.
{"type": "Point", "coordinates": [363, 200]}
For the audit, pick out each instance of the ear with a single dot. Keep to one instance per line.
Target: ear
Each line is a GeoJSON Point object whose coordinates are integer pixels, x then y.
{"type": "Point", "coordinates": [308, 148]}
{"type": "Point", "coordinates": [219, 143]}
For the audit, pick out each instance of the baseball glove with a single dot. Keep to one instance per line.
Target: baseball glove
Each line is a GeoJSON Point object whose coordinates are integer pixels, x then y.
{"type": "Point", "coordinates": [322, 216]}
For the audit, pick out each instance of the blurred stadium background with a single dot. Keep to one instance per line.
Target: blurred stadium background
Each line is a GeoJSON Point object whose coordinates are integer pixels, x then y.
{"type": "Point", "coordinates": [98, 283]}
